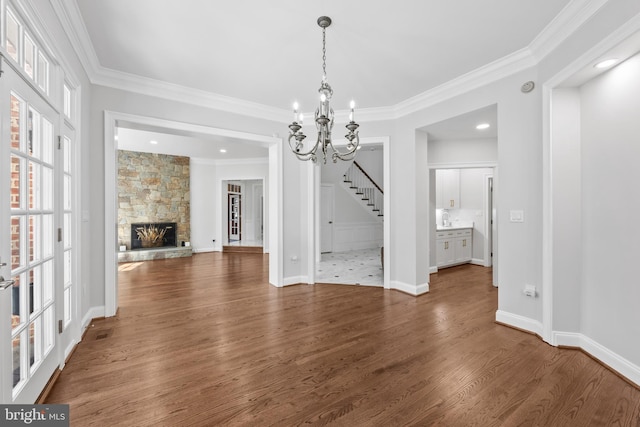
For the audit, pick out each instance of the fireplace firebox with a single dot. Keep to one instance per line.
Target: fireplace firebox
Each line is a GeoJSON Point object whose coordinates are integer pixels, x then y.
{"type": "Point", "coordinates": [154, 235]}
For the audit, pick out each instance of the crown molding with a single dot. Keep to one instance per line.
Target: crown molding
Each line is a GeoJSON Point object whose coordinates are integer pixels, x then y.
{"type": "Point", "coordinates": [574, 15]}
{"type": "Point", "coordinates": [71, 21]}
{"type": "Point", "coordinates": [479, 77]}
{"type": "Point", "coordinates": [567, 22]}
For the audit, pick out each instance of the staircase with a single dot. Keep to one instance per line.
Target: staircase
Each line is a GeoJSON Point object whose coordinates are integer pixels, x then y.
{"type": "Point", "coordinates": [364, 189]}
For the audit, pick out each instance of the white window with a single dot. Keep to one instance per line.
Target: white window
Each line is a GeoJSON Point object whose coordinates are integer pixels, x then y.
{"type": "Point", "coordinates": [25, 51]}
{"type": "Point", "coordinates": [12, 36]}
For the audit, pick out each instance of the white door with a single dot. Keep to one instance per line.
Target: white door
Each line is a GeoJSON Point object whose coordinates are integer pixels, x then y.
{"type": "Point", "coordinates": [326, 218]}
{"type": "Point", "coordinates": [30, 236]}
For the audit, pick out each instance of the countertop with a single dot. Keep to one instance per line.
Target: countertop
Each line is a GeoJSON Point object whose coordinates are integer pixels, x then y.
{"type": "Point", "coordinates": [457, 226]}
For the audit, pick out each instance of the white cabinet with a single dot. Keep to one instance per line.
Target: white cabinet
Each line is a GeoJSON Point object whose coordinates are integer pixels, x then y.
{"type": "Point", "coordinates": [453, 247]}
{"type": "Point", "coordinates": [448, 189]}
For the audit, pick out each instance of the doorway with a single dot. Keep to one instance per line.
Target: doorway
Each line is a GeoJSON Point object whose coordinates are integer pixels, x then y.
{"type": "Point", "coordinates": [242, 222]}
{"type": "Point", "coordinates": [113, 120]}
{"type": "Point", "coordinates": [346, 231]}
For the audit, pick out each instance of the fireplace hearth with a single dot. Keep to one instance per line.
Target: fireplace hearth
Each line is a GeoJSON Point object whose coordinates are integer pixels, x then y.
{"type": "Point", "coordinates": [153, 235]}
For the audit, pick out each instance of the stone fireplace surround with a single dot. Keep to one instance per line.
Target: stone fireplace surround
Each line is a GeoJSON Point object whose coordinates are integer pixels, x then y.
{"type": "Point", "coordinates": [152, 188]}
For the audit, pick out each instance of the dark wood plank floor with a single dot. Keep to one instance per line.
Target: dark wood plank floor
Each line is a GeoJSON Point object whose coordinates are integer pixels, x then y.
{"type": "Point", "coordinates": [205, 341]}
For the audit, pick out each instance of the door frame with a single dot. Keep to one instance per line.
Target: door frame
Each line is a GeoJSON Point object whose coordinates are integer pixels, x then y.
{"type": "Point", "coordinates": [332, 215]}
{"type": "Point", "coordinates": [111, 120]}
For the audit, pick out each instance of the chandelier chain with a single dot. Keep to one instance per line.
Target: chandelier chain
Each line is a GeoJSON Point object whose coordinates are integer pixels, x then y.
{"type": "Point", "coordinates": [324, 54]}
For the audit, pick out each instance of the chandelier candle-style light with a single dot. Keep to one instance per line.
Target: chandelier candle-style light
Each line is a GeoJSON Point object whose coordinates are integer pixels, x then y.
{"type": "Point", "coordinates": [324, 119]}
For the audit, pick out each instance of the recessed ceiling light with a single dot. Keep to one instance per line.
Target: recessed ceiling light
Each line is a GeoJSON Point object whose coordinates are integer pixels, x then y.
{"type": "Point", "coordinates": [606, 63]}
{"type": "Point", "coordinates": [222, 150]}
{"type": "Point", "coordinates": [483, 126]}
{"type": "Point", "coordinates": [154, 142]}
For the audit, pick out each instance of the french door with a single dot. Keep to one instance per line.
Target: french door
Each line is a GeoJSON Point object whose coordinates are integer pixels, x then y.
{"type": "Point", "coordinates": [31, 250]}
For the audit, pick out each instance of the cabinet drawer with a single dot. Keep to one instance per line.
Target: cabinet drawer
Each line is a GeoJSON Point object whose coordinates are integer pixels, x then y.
{"type": "Point", "coordinates": [445, 234]}
{"type": "Point", "coordinates": [463, 233]}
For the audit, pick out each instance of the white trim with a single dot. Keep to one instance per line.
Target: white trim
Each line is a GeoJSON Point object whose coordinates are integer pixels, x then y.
{"type": "Point", "coordinates": [205, 250]}
{"type": "Point", "coordinates": [520, 322]}
{"type": "Point", "coordinates": [624, 367]}
{"type": "Point", "coordinates": [295, 280]}
{"type": "Point", "coordinates": [111, 120]}
{"type": "Point", "coordinates": [463, 165]}
{"type": "Point", "coordinates": [224, 162]}
{"type": "Point", "coordinates": [386, 225]}
{"type": "Point", "coordinates": [433, 270]}
{"type": "Point", "coordinates": [567, 339]}
{"type": "Point", "coordinates": [407, 288]}
{"type": "Point", "coordinates": [92, 313]}
{"type": "Point", "coordinates": [568, 21]}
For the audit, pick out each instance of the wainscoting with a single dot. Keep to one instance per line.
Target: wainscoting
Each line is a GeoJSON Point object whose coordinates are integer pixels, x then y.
{"type": "Point", "coordinates": [351, 236]}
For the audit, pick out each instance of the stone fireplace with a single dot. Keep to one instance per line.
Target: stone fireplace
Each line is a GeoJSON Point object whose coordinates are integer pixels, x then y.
{"type": "Point", "coordinates": [153, 191]}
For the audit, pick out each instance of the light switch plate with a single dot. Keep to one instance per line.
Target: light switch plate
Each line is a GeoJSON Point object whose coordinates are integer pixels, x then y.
{"type": "Point", "coordinates": [516, 216]}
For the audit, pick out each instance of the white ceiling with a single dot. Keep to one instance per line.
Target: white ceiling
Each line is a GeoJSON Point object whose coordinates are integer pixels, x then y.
{"type": "Point", "coordinates": [463, 127]}
{"type": "Point", "coordinates": [379, 53]}
{"type": "Point", "coordinates": [188, 145]}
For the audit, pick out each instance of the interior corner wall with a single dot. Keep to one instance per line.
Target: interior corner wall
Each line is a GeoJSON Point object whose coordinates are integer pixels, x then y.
{"type": "Point", "coordinates": [203, 204]}
{"type": "Point", "coordinates": [610, 203]}
{"type": "Point", "coordinates": [566, 206]}
{"type": "Point", "coordinates": [422, 210]}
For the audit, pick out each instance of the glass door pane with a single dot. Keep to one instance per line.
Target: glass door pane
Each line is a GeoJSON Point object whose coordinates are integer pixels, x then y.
{"type": "Point", "coordinates": [29, 214]}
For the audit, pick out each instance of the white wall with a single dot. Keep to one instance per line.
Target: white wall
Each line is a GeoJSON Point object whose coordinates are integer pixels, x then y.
{"type": "Point", "coordinates": [463, 152]}
{"type": "Point", "coordinates": [610, 143]}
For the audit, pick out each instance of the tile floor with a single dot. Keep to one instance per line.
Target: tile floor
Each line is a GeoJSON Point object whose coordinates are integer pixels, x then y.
{"type": "Point", "coordinates": [361, 267]}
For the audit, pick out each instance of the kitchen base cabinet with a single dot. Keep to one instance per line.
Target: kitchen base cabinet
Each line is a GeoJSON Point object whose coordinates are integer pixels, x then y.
{"type": "Point", "coordinates": [453, 247]}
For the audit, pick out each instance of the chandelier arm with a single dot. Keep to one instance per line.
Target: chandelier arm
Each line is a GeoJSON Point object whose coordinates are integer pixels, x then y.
{"type": "Point", "coordinates": [300, 155]}
{"type": "Point", "coordinates": [349, 154]}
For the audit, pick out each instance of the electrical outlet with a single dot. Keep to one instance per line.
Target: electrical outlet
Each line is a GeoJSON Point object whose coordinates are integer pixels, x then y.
{"type": "Point", "coordinates": [530, 291]}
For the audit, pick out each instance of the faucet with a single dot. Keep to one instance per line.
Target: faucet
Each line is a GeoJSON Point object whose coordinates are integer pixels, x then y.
{"type": "Point", "coordinates": [445, 218]}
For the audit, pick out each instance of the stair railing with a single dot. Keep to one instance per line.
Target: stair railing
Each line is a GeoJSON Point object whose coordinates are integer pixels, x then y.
{"type": "Point", "coordinates": [365, 187]}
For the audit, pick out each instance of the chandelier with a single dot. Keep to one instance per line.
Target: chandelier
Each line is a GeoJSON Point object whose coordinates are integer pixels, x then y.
{"type": "Point", "coordinates": [324, 118]}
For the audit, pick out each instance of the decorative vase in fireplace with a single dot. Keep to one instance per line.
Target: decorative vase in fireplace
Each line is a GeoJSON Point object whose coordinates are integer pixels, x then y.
{"type": "Point", "coordinates": [151, 236]}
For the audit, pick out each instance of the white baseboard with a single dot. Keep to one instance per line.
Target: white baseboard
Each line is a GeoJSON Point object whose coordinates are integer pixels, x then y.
{"type": "Point", "coordinates": [410, 289]}
{"type": "Point", "coordinates": [202, 250]}
{"type": "Point", "coordinates": [295, 280]}
{"type": "Point", "coordinates": [519, 322]}
{"type": "Point", "coordinates": [92, 313]}
{"type": "Point", "coordinates": [477, 261]}
{"type": "Point", "coordinates": [624, 367]}
{"type": "Point", "coordinates": [433, 270]}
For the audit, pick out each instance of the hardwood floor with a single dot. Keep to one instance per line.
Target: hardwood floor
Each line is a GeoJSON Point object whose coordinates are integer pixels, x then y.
{"type": "Point", "coordinates": [205, 341]}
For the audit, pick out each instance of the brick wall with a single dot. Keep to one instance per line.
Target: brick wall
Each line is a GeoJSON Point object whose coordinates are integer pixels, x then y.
{"type": "Point", "coordinates": [152, 188]}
